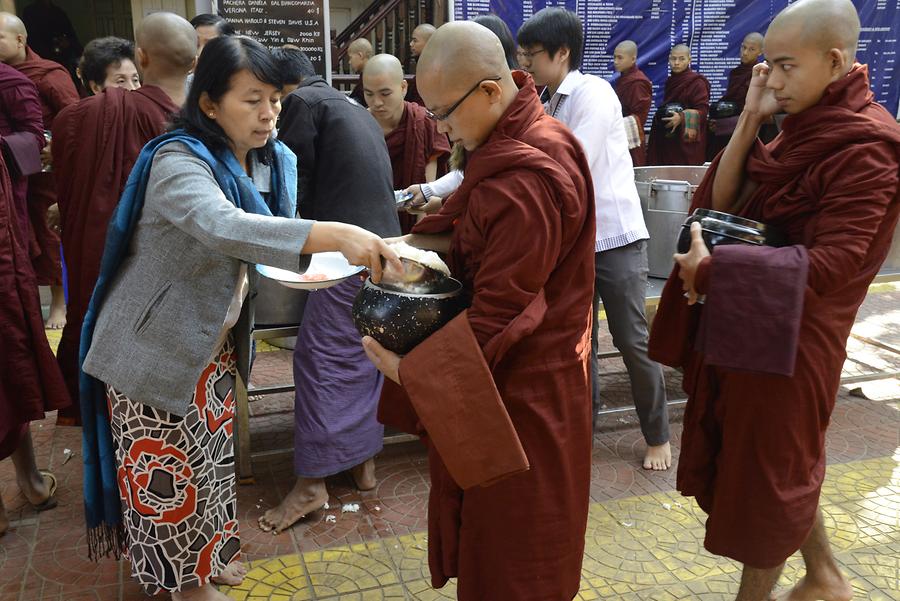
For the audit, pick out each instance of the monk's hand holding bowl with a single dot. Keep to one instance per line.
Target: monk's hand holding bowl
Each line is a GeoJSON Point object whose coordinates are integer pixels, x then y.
{"type": "Point", "coordinates": [760, 101]}
{"type": "Point", "coordinates": [387, 362]}
{"type": "Point", "coordinates": [674, 121]}
{"type": "Point", "coordinates": [689, 261]}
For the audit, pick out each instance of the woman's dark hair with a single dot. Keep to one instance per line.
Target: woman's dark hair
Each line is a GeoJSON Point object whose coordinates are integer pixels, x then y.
{"type": "Point", "coordinates": [293, 64]}
{"type": "Point", "coordinates": [501, 30]}
{"type": "Point", "coordinates": [209, 19]}
{"type": "Point", "coordinates": [554, 28]}
{"type": "Point", "coordinates": [99, 54]}
{"type": "Point", "coordinates": [220, 60]}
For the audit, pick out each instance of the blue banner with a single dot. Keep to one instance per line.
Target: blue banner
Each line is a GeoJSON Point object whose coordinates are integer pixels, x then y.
{"type": "Point", "coordinates": [714, 29]}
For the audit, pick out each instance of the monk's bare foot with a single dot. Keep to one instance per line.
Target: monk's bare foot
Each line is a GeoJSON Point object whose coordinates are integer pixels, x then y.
{"type": "Point", "coordinates": [658, 458]}
{"type": "Point", "coordinates": [307, 496]}
{"type": "Point", "coordinates": [232, 575]}
{"type": "Point", "coordinates": [207, 592]}
{"type": "Point", "coordinates": [364, 474]}
{"type": "Point", "coordinates": [57, 318]}
{"type": "Point", "coordinates": [833, 587]}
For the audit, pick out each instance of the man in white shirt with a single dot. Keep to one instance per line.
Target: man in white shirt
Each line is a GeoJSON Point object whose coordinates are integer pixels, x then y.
{"type": "Point", "coordinates": [552, 41]}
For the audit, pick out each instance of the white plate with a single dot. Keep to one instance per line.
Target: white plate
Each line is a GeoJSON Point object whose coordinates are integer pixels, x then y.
{"type": "Point", "coordinates": [333, 265]}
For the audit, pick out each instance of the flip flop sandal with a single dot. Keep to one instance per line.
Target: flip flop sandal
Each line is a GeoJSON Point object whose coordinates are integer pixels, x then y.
{"type": "Point", "coordinates": [50, 502]}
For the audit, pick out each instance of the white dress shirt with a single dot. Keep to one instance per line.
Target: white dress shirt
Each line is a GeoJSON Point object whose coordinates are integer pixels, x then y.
{"type": "Point", "coordinates": [590, 108]}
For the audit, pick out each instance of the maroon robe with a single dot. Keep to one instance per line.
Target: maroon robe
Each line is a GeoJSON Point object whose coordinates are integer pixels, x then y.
{"type": "Point", "coordinates": [413, 144]}
{"type": "Point", "coordinates": [30, 382]}
{"type": "Point", "coordinates": [738, 84]}
{"type": "Point", "coordinates": [635, 92]}
{"type": "Point", "coordinates": [521, 537]}
{"type": "Point", "coordinates": [95, 144]}
{"type": "Point", "coordinates": [691, 90]}
{"type": "Point", "coordinates": [56, 92]}
{"type": "Point", "coordinates": [20, 117]}
{"type": "Point", "coordinates": [753, 448]}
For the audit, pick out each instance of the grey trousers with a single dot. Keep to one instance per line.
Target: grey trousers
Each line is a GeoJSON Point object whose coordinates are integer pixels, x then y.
{"type": "Point", "coordinates": [621, 283]}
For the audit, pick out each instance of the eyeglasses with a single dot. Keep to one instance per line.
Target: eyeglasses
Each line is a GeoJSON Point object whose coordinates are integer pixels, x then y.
{"type": "Point", "coordinates": [443, 116]}
{"type": "Point", "coordinates": [530, 55]}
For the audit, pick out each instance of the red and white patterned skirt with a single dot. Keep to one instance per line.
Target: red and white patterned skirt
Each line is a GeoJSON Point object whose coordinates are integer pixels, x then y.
{"type": "Point", "coordinates": [176, 480]}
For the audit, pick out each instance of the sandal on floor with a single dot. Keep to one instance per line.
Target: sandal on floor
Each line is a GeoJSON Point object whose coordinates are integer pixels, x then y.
{"type": "Point", "coordinates": [52, 484]}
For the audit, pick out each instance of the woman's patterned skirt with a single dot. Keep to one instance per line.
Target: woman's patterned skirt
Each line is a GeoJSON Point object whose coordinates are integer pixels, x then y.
{"type": "Point", "coordinates": [176, 480]}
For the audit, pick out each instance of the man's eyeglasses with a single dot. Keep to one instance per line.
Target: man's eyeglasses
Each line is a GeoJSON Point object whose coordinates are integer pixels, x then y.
{"type": "Point", "coordinates": [529, 55]}
{"type": "Point", "coordinates": [443, 116]}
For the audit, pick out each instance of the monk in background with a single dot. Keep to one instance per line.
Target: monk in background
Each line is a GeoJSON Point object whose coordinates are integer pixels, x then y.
{"type": "Point", "coordinates": [724, 114]}
{"type": "Point", "coordinates": [418, 151]}
{"type": "Point", "coordinates": [96, 143]}
{"type": "Point", "coordinates": [635, 92]}
{"type": "Point", "coordinates": [56, 91]}
{"type": "Point", "coordinates": [679, 138]}
{"type": "Point", "coordinates": [30, 382]}
{"type": "Point", "coordinates": [359, 53]}
{"type": "Point", "coordinates": [506, 383]}
{"type": "Point", "coordinates": [753, 447]}
{"type": "Point", "coordinates": [420, 36]}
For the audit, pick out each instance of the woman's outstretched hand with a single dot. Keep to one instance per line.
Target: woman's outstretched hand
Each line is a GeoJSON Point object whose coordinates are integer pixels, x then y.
{"type": "Point", "coordinates": [359, 246]}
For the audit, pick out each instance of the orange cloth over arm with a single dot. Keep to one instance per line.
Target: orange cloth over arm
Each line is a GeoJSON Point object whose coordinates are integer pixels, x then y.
{"type": "Point", "coordinates": [635, 92]}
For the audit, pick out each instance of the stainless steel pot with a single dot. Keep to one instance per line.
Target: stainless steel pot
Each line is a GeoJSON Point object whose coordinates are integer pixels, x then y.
{"type": "Point", "coordinates": [275, 306]}
{"type": "Point", "coordinates": [666, 194]}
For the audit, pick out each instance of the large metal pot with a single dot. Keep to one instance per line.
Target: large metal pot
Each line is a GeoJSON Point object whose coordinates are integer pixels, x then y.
{"type": "Point", "coordinates": [666, 194]}
{"type": "Point", "coordinates": [277, 306]}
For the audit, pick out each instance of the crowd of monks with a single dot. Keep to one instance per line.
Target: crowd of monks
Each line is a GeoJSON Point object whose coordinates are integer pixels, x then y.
{"type": "Point", "coordinates": [519, 231]}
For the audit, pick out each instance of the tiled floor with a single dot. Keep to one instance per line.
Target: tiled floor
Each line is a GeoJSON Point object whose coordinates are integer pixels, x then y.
{"type": "Point", "coordinates": [644, 540]}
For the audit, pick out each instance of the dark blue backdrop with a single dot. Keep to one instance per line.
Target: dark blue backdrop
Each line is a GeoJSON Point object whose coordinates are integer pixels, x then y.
{"type": "Point", "coordinates": [713, 28]}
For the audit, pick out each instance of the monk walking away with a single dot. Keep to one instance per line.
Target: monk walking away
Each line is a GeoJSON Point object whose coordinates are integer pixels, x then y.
{"type": "Point", "coordinates": [753, 447]}
{"type": "Point", "coordinates": [501, 395]}
{"type": "Point", "coordinates": [56, 91]}
{"type": "Point", "coordinates": [723, 115]}
{"type": "Point", "coordinates": [359, 53]}
{"type": "Point", "coordinates": [96, 143]}
{"type": "Point", "coordinates": [635, 93]}
{"type": "Point", "coordinates": [418, 151]}
{"type": "Point", "coordinates": [678, 132]}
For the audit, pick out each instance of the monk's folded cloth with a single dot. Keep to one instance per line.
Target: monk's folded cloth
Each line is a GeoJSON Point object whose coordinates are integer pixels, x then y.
{"type": "Point", "coordinates": [462, 411]}
{"type": "Point", "coordinates": [753, 309]}
{"type": "Point", "coordinates": [691, 124]}
{"type": "Point", "coordinates": [633, 132]}
{"type": "Point", "coordinates": [21, 153]}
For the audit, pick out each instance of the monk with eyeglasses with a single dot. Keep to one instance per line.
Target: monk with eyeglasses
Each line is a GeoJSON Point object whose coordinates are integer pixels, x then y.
{"type": "Point", "coordinates": [501, 394]}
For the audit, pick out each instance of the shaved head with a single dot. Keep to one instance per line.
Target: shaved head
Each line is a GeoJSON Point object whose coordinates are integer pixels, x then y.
{"type": "Point", "coordinates": [420, 37]}
{"type": "Point", "coordinates": [754, 38]}
{"type": "Point", "coordinates": [821, 24]}
{"type": "Point", "coordinates": [12, 24]}
{"type": "Point", "coordinates": [460, 55]}
{"type": "Point", "coordinates": [13, 36]}
{"type": "Point", "coordinates": [625, 56]}
{"type": "Point", "coordinates": [167, 40]}
{"type": "Point", "coordinates": [681, 49]}
{"type": "Point", "coordinates": [384, 64]}
{"type": "Point", "coordinates": [361, 46]}
{"type": "Point", "coordinates": [385, 90]}
{"type": "Point", "coordinates": [627, 47]}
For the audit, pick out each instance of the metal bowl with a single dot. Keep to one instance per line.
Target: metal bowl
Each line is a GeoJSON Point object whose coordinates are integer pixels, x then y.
{"type": "Point", "coordinates": [669, 110]}
{"type": "Point", "coordinates": [399, 321]}
{"type": "Point", "coordinates": [723, 228]}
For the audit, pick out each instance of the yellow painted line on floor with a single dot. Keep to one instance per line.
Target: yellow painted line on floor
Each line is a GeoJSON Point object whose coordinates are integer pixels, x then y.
{"type": "Point", "coordinates": [635, 547]}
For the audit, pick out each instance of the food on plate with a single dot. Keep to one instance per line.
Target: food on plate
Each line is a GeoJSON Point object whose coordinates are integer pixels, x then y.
{"type": "Point", "coordinates": [428, 258]}
{"type": "Point", "coordinates": [313, 277]}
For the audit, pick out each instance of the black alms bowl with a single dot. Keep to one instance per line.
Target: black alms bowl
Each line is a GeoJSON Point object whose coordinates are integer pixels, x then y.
{"type": "Point", "coordinates": [400, 321]}
{"type": "Point", "coordinates": [723, 228]}
{"type": "Point", "coordinates": [671, 108]}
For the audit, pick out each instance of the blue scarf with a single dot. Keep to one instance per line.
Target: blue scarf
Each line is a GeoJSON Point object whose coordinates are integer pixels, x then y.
{"type": "Point", "coordinates": [102, 506]}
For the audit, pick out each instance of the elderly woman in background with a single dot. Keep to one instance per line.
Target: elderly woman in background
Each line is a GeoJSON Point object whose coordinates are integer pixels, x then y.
{"type": "Point", "coordinates": [108, 62]}
{"type": "Point", "coordinates": [203, 202]}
